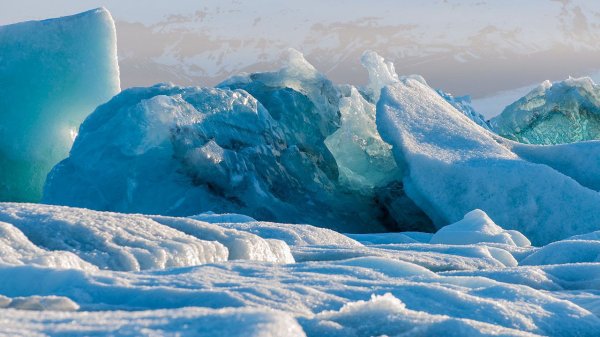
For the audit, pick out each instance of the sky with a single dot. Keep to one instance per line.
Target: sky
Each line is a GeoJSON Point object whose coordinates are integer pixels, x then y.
{"type": "Point", "coordinates": [494, 51]}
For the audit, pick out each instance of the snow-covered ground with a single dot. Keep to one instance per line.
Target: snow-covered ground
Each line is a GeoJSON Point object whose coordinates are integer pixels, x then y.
{"type": "Point", "coordinates": [234, 276]}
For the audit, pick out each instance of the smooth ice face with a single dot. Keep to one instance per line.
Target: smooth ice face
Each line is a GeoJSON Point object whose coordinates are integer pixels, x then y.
{"type": "Point", "coordinates": [53, 73]}
{"type": "Point", "coordinates": [364, 160]}
{"type": "Point", "coordinates": [576, 160]}
{"type": "Point", "coordinates": [455, 166]}
{"type": "Point", "coordinates": [565, 252]}
{"type": "Point", "coordinates": [553, 113]}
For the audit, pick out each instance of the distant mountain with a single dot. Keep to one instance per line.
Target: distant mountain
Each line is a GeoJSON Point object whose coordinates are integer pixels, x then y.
{"type": "Point", "coordinates": [475, 47]}
{"type": "Point", "coordinates": [472, 47]}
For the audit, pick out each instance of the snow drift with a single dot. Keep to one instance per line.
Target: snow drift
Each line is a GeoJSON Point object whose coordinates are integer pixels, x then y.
{"type": "Point", "coordinates": [63, 237]}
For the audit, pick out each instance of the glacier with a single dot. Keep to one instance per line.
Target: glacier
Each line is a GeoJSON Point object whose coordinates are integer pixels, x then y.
{"type": "Point", "coordinates": [489, 283]}
{"type": "Point", "coordinates": [553, 113]}
{"type": "Point", "coordinates": [53, 73]}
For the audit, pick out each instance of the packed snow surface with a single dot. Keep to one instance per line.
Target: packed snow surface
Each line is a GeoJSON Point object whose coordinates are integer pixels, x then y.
{"type": "Point", "coordinates": [472, 278]}
{"type": "Point", "coordinates": [53, 73]}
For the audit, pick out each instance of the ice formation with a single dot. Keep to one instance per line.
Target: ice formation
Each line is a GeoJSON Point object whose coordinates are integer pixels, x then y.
{"type": "Point", "coordinates": [553, 113]}
{"type": "Point", "coordinates": [53, 73]}
{"type": "Point", "coordinates": [364, 160]}
{"type": "Point", "coordinates": [463, 104]}
{"type": "Point", "coordinates": [576, 160]}
{"type": "Point", "coordinates": [488, 284]}
{"type": "Point", "coordinates": [290, 146]}
{"type": "Point", "coordinates": [259, 145]}
{"type": "Point", "coordinates": [454, 166]}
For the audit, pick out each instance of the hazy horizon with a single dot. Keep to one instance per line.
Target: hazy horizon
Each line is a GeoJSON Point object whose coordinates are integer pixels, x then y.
{"type": "Point", "coordinates": [493, 51]}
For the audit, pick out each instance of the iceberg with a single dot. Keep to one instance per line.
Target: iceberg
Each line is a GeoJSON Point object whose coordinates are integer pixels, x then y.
{"type": "Point", "coordinates": [289, 146]}
{"type": "Point", "coordinates": [259, 144]}
{"type": "Point", "coordinates": [53, 73]}
{"type": "Point", "coordinates": [454, 166]}
{"type": "Point", "coordinates": [553, 113]}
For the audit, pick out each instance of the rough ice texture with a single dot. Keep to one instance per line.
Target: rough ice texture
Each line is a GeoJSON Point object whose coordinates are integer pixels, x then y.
{"type": "Point", "coordinates": [381, 73]}
{"type": "Point", "coordinates": [553, 113]}
{"type": "Point", "coordinates": [297, 235]}
{"type": "Point", "coordinates": [53, 73]}
{"type": "Point", "coordinates": [386, 315]}
{"type": "Point", "coordinates": [463, 104]}
{"type": "Point", "coordinates": [259, 151]}
{"type": "Point", "coordinates": [454, 166]}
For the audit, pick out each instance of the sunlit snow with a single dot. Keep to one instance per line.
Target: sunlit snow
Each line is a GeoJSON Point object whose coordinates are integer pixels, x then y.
{"type": "Point", "coordinates": [282, 204]}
